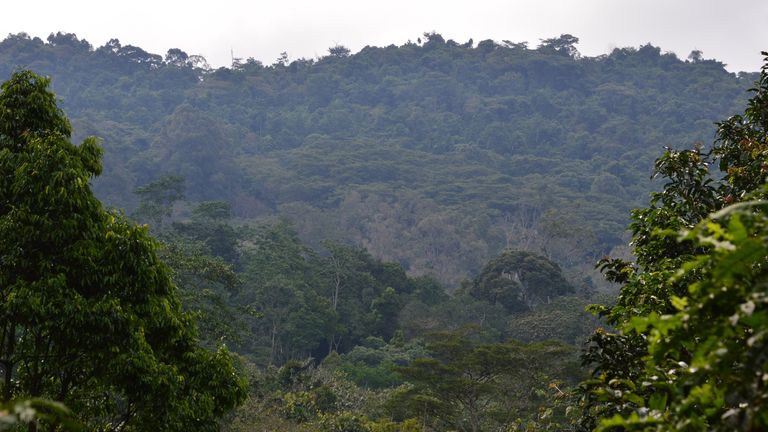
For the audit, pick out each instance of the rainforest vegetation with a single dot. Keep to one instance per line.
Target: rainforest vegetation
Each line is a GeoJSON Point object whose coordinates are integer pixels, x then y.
{"type": "Point", "coordinates": [400, 239]}
{"type": "Point", "coordinates": [435, 154]}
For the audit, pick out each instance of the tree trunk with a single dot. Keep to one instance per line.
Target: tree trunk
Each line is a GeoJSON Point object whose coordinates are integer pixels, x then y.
{"type": "Point", "coordinates": [9, 341]}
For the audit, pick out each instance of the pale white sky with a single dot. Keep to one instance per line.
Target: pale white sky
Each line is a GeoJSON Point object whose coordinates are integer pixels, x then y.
{"type": "Point", "coordinates": [732, 31]}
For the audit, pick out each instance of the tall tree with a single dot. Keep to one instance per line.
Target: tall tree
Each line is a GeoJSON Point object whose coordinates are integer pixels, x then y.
{"type": "Point", "coordinates": [88, 313]}
{"type": "Point", "coordinates": [520, 281]}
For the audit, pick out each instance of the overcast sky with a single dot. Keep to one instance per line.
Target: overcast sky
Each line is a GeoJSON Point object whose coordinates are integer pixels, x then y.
{"type": "Point", "coordinates": [732, 31]}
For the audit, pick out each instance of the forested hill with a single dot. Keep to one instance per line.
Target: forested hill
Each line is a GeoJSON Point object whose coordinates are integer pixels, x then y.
{"type": "Point", "coordinates": [436, 154]}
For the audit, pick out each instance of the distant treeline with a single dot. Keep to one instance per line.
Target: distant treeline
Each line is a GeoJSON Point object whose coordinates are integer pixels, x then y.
{"type": "Point", "coordinates": [434, 154]}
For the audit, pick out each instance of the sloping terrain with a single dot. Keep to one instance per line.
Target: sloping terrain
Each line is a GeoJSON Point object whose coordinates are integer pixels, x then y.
{"type": "Point", "coordinates": [436, 155]}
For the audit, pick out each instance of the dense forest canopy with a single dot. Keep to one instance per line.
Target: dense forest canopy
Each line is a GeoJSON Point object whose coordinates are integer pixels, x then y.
{"type": "Point", "coordinates": [399, 239]}
{"type": "Point", "coordinates": [434, 154]}
{"type": "Point", "coordinates": [73, 273]}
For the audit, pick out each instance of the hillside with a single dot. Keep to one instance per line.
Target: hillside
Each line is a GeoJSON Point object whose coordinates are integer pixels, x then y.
{"type": "Point", "coordinates": [435, 154]}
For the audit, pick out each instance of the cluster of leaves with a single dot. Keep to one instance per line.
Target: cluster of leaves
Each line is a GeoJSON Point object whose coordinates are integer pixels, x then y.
{"type": "Point", "coordinates": [564, 319]}
{"type": "Point", "coordinates": [433, 154]}
{"type": "Point", "coordinates": [17, 413]}
{"type": "Point", "coordinates": [690, 349]}
{"type": "Point", "coordinates": [556, 312]}
{"type": "Point", "coordinates": [372, 363]}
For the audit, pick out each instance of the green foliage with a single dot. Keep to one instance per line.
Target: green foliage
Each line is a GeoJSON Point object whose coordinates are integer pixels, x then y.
{"type": "Point", "coordinates": [203, 253]}
{"type": "Point", "coordinates": [461, 310]}
{"type": "Point", "coordinates": [470, 386]}
{"type": "Point", "coordinates": [209, 226]}
{"type": "Point", "coordinates": [313, 303]}
{"type": "Point", "coordinates": [89, 314]}
{"type": "Point", "coordinates": [520, 281]}
{"type": "Point", "coordinates": [344, 422]}
{"type": "Point", "coordinates": [372, 364]}
{"type": "Point", "coordinates": [44, 413]}
{"type": "Point", "coordinates": [299, 406]}
{"type": "Point", "coordinates": [563, 319]}
{"type": "Point", "coordinates": [157, 199]}
{"type": "Point", "coordinates": [300, 397]}
{"type": "Point", "coordinates": [206, 286]}
{"type": "Point", "coordinates": [29, 109]}
{"type": "Point", "coordinates": [689, 351]}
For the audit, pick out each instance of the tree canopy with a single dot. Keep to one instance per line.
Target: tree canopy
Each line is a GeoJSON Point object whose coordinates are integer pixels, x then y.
{"type": "Point", "coordinates": [435, 154]}
{"type": "Point", "coordinates": [89, 315]}
{"type": "Point", "coordinates": [520, 281]}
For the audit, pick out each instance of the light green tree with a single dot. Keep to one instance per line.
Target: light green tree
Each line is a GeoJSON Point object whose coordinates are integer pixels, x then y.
{"type": "Point", "coordinates": [689, 352]}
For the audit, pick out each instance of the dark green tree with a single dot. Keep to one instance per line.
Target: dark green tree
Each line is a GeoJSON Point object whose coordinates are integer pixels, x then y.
{"type": "Point", "coordinates": [519, 281]}
{"type": "Point", "coordinates": [176, 57]}
{"type": "Point", "coordinates": [339, 51]}
{"type": "Point", "coordinates": [210, 226]}
{"type": "Point", "coordinates": [88, 313]}
{"type": "Point", "coordinates": [563, 45]}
